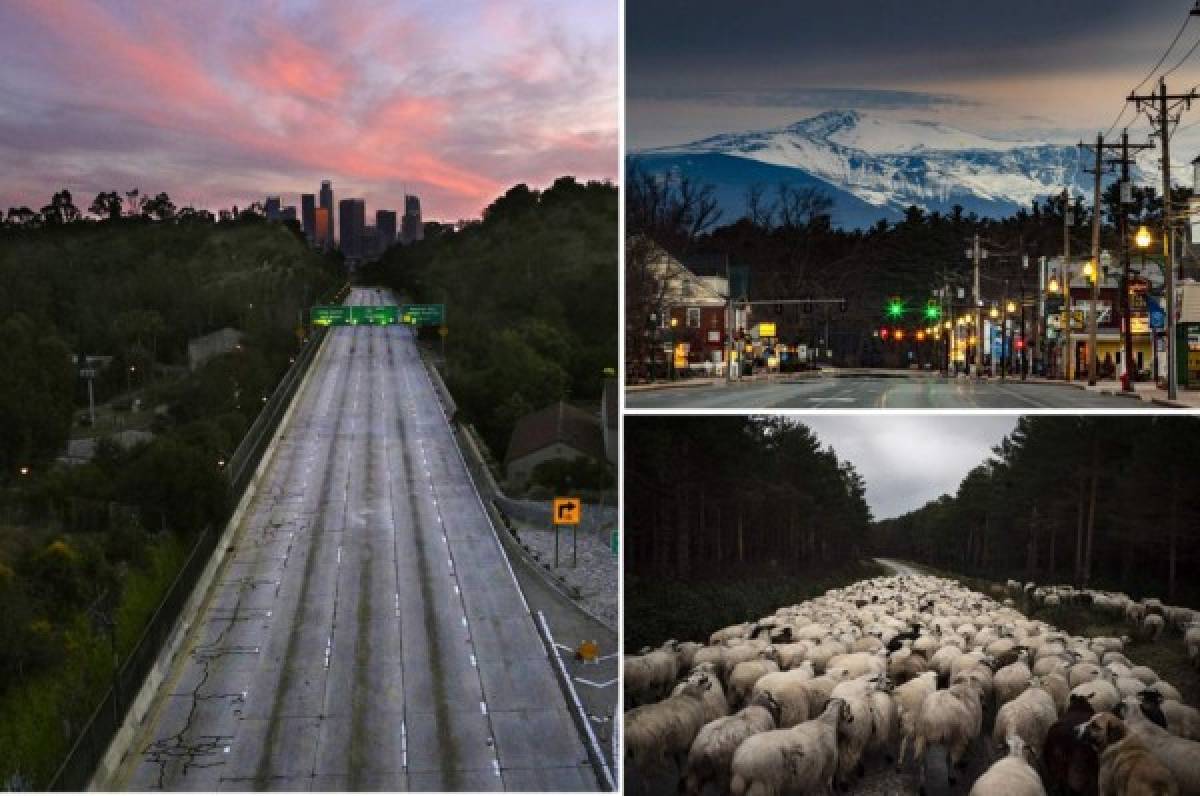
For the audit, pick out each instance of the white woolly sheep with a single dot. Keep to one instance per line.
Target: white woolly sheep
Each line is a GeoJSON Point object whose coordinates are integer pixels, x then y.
{"type": "Point", "coordinates": [745, 675]}
{"type": "Point", "coordinates": [1180, 755]}
{"type": "Point", "coordinates": [1101, 694]}
{"type": "Point", "coordinates": [802, 759]}
{"type": "Point", "coordinates": [1010, 681]}
{"type": "Point", "coordinates": [789, 691]}
{"type": "Point", "coordinates": [1011, 775]}
{"type": "Point", "coordinates": [649, 676]}
{"type": "Point", "coordinates": [1182, 720]}
{"type": "Point", "coordinates": [711, 753]}
{"type": "Point", "coordinates": [1030, 716]}
{"type": "Point", "coordinates": [949, 718]}
{"type": "Point", "coordinates": [856, 734]}
{"type": "Point", "coordinates": [713, 695]}
{"type": "Point", "coordinates": [662, 732]}
{"type": "Point", "coordinates": [908, 699]}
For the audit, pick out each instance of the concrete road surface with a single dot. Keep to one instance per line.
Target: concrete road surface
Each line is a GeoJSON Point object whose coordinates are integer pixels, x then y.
{"type": "Point", "coordinates": [878, 392]}
{"type": "Point", "coordinates": [365, 631]}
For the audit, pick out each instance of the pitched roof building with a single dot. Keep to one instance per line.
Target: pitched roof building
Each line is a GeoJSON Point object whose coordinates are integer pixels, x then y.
{"type": "Point", "coordinates": [559, 431]}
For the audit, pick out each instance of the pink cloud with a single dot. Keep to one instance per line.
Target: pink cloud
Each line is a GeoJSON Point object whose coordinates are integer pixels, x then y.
{"type": "Point", "coordinates": [373, 99]}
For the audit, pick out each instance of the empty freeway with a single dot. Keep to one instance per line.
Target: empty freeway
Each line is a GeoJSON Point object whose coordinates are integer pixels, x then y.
{"type": "Point", "coordinates": [365, 630]}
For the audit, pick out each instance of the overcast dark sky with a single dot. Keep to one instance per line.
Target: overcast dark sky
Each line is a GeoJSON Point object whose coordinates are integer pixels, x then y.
{"type": "Point", "coordinates": [908, 460]}
{"type": "Point", "coordinates": [1052, 69]}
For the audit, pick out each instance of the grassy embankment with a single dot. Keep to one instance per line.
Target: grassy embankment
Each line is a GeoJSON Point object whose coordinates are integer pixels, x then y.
{"type": "Point", "coordinates": [657, 610]}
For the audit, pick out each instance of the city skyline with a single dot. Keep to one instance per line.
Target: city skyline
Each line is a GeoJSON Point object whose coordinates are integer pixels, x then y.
{"type": "Point", "coordinates": [210, 104]}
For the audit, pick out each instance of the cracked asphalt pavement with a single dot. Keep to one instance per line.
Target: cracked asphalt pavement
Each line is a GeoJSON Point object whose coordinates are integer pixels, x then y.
{"type": "Point", "coordinates": [365, 631]}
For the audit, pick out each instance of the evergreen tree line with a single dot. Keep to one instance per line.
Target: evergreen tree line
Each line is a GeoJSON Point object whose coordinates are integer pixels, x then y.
{"type": "Point", "coordinates": [530, 293]}
{"type": "Point", "coordinates": [714, 497]}
{"type": "Point", "coordinates": [1109, 502]}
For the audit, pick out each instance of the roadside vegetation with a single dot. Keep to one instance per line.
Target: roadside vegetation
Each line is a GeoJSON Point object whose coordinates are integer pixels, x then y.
{"type": "Point", "coordinates": [531, 301]}
{"type": "Point", "coordinates": [87, 550]}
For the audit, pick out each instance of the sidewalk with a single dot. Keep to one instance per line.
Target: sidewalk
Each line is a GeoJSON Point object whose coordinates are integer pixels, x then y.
{"type": "Point", "coordinates": [719, 381]}
{"type": "Point", "coordinates": [1145, 391]}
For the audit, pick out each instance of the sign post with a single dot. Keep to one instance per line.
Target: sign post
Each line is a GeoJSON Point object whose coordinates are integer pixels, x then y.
{"type": "Point", "coordinates": [566, 511]}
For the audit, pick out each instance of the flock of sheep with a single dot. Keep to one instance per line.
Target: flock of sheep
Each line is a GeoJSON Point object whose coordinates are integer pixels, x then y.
{"type": "Point", "coordinates": [818, 694]}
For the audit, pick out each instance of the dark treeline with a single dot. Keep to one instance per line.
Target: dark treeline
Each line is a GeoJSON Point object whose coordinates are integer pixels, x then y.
{"type": "Point", "coordinates": [1110, 502]}
{"type": "Point", "coordinates": [728, 518]}
{"type": "Point", "coordinates": [530, 294]}
{"type": "Point", "coordinates": [786, 239]}
{"type": "Point", "coordinates": [708, 497]}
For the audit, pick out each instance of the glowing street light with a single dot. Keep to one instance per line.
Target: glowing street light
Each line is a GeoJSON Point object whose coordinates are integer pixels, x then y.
{"type": "Point", "coordinates": [1053, 286]}
{"type": "Point", "coordinates": [994, 312]}
{"type": "Point", "coordinates": [1089, 270]}
{"type": "Point", "coordinates": [1011, 307]}
{"type": "Point", "coordinates": [1142, 238]}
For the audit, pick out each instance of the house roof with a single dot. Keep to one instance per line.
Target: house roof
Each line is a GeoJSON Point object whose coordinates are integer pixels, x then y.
{"type": "Point", "coordinates": [558, 423]}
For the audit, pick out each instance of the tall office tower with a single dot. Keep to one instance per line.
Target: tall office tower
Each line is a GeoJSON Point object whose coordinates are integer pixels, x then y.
{"type": "Point", "coordinates": [410, 225]}
{"type": "Point", "coordinates": [327, 203]}
{"type": "Point", "coordinates": [370, 242]}
{"type": "Point", "coordinates": [288, 213]}
{"type": "Point", "coordinates": [271, 208]}
{"type": "Point", "coordinates": [385, 228]}
{"type": "Point", "coordinates": [308, 214]}
{"type": "Point", "coordinates": [352, 218]}
{"type": "Point", "coordinates": [321, 228]}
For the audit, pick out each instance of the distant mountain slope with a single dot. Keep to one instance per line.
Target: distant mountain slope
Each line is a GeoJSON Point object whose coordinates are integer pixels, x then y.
{"type": "Point", "coordinates": [875, 167]}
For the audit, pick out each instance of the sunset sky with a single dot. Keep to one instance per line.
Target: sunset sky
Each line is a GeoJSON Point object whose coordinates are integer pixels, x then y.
{"type": "Point", "coordinates": [222, 103]}
{"type": "Point", "coordinates": [1054, 71]}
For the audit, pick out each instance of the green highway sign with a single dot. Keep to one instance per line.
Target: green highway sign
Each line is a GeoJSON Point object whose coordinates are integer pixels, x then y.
{"type": "Point", "coordinates": [352, 315]}
{"type": "Point", "coordinates": [424, 314]}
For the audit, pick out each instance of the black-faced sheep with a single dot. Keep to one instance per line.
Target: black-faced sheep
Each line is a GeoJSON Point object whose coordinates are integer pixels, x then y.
{"type": "Point", "coordinates": [1069, 762]}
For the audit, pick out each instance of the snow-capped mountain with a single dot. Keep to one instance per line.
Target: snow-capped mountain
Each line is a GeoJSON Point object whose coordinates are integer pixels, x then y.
{"type": "Point", "coordinates": [875, 167]}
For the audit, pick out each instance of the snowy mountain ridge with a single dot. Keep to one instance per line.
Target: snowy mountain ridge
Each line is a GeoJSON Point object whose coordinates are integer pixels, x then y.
{"type": "Point", "coordinates": [891, 164]}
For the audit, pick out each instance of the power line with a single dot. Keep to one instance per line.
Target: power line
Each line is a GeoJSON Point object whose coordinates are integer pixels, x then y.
{"type": "Point", "coordinates": [1167, 52]}
{"type": "Point", "coordinates": [1187, 55]}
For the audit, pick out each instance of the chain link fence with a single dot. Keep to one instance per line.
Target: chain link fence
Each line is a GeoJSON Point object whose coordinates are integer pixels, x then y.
{"type": "Point", "coordinates": [94, 738]}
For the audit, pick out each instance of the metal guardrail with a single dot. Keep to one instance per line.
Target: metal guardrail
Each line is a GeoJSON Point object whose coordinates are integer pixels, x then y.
{"type": "Point", "coordinates": [97, 734]}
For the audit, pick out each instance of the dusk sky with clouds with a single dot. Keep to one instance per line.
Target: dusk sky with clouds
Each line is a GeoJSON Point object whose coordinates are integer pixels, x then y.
{"type": "Point", "coordinates": [908, 460]}
{"type": "Point", "coordinates": [1053, 71]}
{"type": "Point", "coordinates": [222, 103]}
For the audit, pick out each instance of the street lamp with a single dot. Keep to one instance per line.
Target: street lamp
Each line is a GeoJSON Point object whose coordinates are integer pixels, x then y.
{"type": "Point", "coordinates": [1010, 307]}
{"type": "Point", "coordinates": [1143, 239]}
{"type": "Point", "coordinates": [674, 323]}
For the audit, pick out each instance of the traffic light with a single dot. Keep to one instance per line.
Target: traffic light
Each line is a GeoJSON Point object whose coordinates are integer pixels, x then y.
{"type": "Point", "coordinates": [895, 308]}
{"type": "Point", "coordinates": [932, 311]}
{"type": "Point", "coordinates": [883, 333]}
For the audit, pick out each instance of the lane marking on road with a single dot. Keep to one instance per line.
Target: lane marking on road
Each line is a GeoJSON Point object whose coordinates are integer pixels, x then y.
{"type": "Point", "coordinates": [593, 684]}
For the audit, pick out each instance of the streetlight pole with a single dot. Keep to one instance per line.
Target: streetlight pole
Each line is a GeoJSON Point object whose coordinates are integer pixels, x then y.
{"type": "Point", "coordinates": [1066, 285]}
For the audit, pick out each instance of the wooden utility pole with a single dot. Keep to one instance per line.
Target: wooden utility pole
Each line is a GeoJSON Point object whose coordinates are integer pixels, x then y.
{"type": "Point", "coordinates": [1093, 360]}
{"type": "Point", "coordinates": [1125, 161]}
{"type": "Point", "coordinates": [1066, 286]}
{"type": "Point", "coordinates": [1164, 110]}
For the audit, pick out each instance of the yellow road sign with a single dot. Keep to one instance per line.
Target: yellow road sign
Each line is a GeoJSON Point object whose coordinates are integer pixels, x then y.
{"type": "Point", "coordinates": [567, 511]}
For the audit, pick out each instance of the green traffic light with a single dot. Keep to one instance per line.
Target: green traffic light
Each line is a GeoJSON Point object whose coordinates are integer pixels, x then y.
{"type": "Point", "coordinates": [933, 312]}
{"type": "Point", "coordinates": [895, 308]}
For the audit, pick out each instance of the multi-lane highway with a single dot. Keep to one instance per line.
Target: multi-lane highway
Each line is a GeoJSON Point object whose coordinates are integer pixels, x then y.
{"type": "Point", "coordinates": [365, 631]}
{"type": "Point", "coordinates": [898, 391]}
